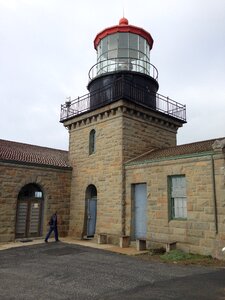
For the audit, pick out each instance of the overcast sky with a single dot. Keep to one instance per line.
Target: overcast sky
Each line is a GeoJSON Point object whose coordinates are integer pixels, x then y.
{"type": "Point", "coordinates": [46, 51]}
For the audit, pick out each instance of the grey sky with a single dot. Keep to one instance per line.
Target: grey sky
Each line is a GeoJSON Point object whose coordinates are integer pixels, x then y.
{"type": "Point", "coordinates": [46, 51]}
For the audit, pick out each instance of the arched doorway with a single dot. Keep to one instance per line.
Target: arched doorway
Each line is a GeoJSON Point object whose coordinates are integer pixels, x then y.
{"type": "Point", "coordinates": [29, 211]}
{"type": "Point", "coordinates": [90, 210]}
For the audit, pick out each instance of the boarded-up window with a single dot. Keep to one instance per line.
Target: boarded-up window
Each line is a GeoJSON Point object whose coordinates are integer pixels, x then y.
{"type": "Point", "coordinates": [178, 198]}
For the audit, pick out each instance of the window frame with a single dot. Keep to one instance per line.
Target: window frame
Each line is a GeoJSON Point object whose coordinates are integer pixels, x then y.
{"type": "Point", "coordinates": [171, 200]}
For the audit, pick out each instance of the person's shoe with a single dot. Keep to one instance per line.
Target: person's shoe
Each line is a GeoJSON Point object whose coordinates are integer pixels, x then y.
{"type": "Point", "coordinates": [57, 240]}
{"type": "Point", "coordinates": [46, 241]}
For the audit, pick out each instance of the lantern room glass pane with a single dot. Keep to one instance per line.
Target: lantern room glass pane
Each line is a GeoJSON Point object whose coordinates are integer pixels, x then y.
{"type": "Point", "coordinates": [133, 54]}
{"type": "Point", "coordinates": [113, 41]}
{"type": "Point", "coordinates": [147, 51]}
{"type": "Point", "coordinates": [123, 53]}
{"type": "Point", "coordinates": [123, 40]}
{"type": "Point", "coordinates": [104, 45]}
{"type": "Point", "coordinates": [113, 46]}
{"type": "Point", "coordinates": [102, 49]}
{"type": "Point", "coordinates": [141, 47]}
{"type": "Point", "coordinates": [133, 41]}
{"type": "Point", "coordinates": [112, 54]}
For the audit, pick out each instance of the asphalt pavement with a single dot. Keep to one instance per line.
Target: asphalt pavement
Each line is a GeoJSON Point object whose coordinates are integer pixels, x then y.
{"type": "Point", "coordinates": [71, 271]}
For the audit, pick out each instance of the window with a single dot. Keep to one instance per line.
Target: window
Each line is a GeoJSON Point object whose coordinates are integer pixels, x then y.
{"type": "Point", "coordinates": [177, 197]}
{"type": "Point", "coordinates": [30, 191]}
{"type": "Point", "coordinates": [92, 142]}
{"type": "Point", "coordinates": [38, 194]}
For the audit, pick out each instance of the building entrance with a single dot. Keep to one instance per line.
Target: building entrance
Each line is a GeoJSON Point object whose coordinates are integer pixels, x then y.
{"type": "Point", "coordinates": [91, 216]}
{"type": "Point", "coordinates": [139, 211]}
{"type": "Point", "coordinates": [29, 212]}
{"type": "Point", "coordinates": [91, 210]}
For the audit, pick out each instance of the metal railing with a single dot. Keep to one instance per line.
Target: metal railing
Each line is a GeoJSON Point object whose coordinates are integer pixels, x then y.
{"type": "Point", "coordinates": [114, 92]}
{"type": "Point", "coordinates": [123, 64]}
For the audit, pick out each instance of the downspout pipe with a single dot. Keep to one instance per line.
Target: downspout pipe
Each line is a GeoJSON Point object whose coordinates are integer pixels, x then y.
{"type": "Point", "coordinates": [123, 208]}
{"type": "Point", "coordinates": [214, 194]}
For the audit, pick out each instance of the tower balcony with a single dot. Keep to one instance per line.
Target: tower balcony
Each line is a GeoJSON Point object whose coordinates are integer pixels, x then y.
{"type": "Point", "coordinates": [123, 64]}
{"type": "Point", "coordinates": [122, 88]}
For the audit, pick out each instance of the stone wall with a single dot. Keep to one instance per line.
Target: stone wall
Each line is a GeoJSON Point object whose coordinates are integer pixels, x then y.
{"type": "Point", "coordinates": [199, 233]}
{"type": "Point", "coordinates": [102, 169]}
{"type": "Point", "coordinates": [55, 184]}
{"type": "Point", "coordinates": [144, 130]}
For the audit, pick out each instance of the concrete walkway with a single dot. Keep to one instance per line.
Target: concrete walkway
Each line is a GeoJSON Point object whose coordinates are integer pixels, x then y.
{"type": "Point", "coordinates": [68, 240]}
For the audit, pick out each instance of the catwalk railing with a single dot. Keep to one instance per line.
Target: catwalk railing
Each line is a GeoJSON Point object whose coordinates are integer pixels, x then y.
{"type": "Point", "coordinates": [123, 64]}
{"type": "Point", "coordinates": [116, 91]}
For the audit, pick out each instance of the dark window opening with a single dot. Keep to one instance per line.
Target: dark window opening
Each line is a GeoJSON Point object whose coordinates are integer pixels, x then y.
{"type": "Point", "coordinates": [92, 142]}
{"type": "Point", "coordinates": [30, 191]}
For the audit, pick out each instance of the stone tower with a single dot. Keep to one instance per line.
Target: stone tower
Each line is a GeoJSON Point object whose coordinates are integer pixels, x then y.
{"type": "Point", "coordinates": [121, 118]}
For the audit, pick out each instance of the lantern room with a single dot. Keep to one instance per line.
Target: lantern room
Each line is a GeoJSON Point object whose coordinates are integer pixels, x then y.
{"type": "Point", "coordinates": [123, 61]}
{"type": "Point", "coordinates": [123, 47]}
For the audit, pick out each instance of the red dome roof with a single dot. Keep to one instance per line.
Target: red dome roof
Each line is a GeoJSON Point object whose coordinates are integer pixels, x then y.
{"type": "Point", "coordinates": [123, 27]}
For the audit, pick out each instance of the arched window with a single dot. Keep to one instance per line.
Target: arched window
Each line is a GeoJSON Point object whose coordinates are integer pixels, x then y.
{"type": "Point", "coordinates": [91, 192]}
{"type": "Point", "coordinates": [30, 191]}
{"type": "Point", "coordinates": [92, 142]}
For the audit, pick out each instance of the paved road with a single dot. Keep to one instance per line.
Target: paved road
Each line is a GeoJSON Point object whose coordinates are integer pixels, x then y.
{"type": "Point", "coordinates": [63, 271]}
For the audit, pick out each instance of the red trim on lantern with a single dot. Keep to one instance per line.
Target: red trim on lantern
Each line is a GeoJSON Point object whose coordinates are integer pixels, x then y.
{"type": "Point", "coordinates": [122, 27]}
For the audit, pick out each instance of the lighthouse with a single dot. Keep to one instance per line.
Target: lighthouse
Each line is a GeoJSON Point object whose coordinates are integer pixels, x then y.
{"type": "Point", "coordinates": [121, 118]}
{"type": "Point", "coordinates": [123, 71]}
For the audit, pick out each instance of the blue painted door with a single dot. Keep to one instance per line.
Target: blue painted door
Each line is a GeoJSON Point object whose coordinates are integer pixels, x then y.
{"type": "Point", "coordinates": [140, 210]}
{"type": "Point", "coordinates": [91, 216]}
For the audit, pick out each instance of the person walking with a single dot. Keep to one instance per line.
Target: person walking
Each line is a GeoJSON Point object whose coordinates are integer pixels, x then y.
{"type": "Point", "coordinates": [53, 227]}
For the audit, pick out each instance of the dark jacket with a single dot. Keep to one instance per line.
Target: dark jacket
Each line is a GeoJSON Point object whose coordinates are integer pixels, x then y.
{"type": "Point", "coordinates": [53, 221]}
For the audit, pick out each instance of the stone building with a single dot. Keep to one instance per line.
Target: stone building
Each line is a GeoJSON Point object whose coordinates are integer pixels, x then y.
{"type": "Point", "coordinates": [35, 181]}
{"type": "Point", "coordinates": [185, 195]}
{"type": "Point", "coordinates": [124, 178]}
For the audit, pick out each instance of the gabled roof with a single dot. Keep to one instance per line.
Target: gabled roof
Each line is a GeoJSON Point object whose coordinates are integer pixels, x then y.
{"type": "Point", "coordinates": [31, 154]}
{"type": "Point", "coordinates": [180, 150]}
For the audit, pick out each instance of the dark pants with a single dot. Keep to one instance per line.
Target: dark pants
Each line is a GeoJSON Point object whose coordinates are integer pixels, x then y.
{"type": "Point", "coordinates": [55, 229]}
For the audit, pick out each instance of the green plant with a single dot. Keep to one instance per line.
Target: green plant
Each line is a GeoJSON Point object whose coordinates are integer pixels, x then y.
{"type": "Point", "coordinates": [178, 255]}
